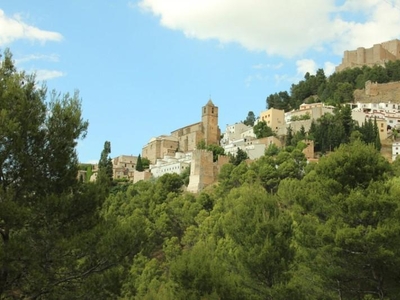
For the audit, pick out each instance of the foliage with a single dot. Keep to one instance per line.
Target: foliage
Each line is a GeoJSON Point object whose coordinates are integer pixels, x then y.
{"type": "Point", "coordinates": [215, 149]}
{"type": "Point", "coordinates": [303, 117]}
{"type": "Point", "coordinates": [105, 172]}
{"type": "Point", "coordinates": [250, 119]}
{"type": "Point", "coordinates": [185, 175]}
{"type": "Point", "coordinates": [262, 130]}
{"type": "Point", "coordinates": [139, 164]}
{"type": "Point", "coordinates": [337, 89]}
{"type": "Point", "coordinates": [274, 228]}
{"type": "Point", "coordinates": [331, 130]}
{"type": "Point", "coordinates": [240, 156]}
{"type": "Point", "coordinates": [145, 163]}
{"type": "Point", "coordinates": [53, 240]}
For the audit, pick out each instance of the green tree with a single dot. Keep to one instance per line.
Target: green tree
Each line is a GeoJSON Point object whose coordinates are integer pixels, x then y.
{"type": "Point", "coordinates": [145, 163]}
{"type": "Point", "coordinates": [250, 119]}
{"type": "Point", "coordinates": [289, 136]}
{"type": "Point", "coordinates": [216, 150]}
{"type": "Point", "coordinates": [105, 173]}
{"type": "Point", "coordinates": [240, 156]}
{"type": "Point", "coordinates": [280, 100]}
{"type": "Point", "coordinates": [201, 144]}
{"type": "Point", "coordinates": [377, 142]}
{"type": "Point", "coordinates": [139, 164]}
{"type": "Point", "coordinates": [50, 230]}
{"type": "Point", "coordinates": [262, 130]}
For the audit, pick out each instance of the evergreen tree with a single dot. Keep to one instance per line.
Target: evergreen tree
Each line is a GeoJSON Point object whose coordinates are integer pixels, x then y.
{"type": "Point", "coordinates": [289, 136]}
{"type": "Point", "coordinates": [105, 173]}
{"type": "Point", "coordinates": [49, 224]}
{"type": "Point", "coordinates": [262, 130]}
{"type": "Point", "coordinates": [139, 165]}
{"type": "Point", "coordinates": [377, 141]}
{"type": "Point", "coordinates": [239, 157]}
{"type": "Point", "coordinates": [250, 119]}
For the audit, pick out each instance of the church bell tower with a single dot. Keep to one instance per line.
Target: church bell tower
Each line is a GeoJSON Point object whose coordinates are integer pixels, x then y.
{"type": "Point", "coordinates": [210, 123]}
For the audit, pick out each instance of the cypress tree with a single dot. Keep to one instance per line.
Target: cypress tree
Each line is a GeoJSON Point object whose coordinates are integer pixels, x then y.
{"type": "Point", "coordinates": [377, 141]}
{"type": "Point", "coordinates": [139, 164]}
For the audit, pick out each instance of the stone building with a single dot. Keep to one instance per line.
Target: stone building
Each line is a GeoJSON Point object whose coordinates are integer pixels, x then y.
{"type": "Point", "coordinates": [124, 166]}
{"type": "Point", "coordinates": [274, 118]}
{"type": "Point", "coordinates": [395, 150]}
{"type": "Point", "coordinates": [378, 54]}
{"type": "Point", "coordinates": [207, 129]}
{"type": "Point", "coordinates": [159, 147]}
{"type": "Point", "coordinates": [186, 138]}
{"type": "Point", "coordinates": [235, 132]}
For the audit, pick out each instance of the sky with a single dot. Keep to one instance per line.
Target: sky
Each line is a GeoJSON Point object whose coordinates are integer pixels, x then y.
{"type": "Point", "coordinates": [145, 68]}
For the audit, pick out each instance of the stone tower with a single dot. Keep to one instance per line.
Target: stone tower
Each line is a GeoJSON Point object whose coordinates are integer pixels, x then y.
{"type": "Point", "coordinates": [209, 120]}
{"type": "Point", "coordinates": [201, 170]}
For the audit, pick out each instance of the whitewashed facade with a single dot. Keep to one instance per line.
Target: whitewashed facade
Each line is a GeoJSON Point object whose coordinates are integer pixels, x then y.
{"type": "Point", "coordinates": [171, 164]}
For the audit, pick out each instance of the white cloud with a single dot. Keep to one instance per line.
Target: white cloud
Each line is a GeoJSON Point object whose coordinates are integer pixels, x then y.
{"type": "Point", "coordinates": [14, 28]}
{"type": "Point", "coordinates": [306, 65]}
{"type": "Point", "coordinates": [329, 68]}
{"type": "Point", "coordinates": [48, 74]}
{"type": "Point", "coordinates": [42, 57]}
{"type": "Point", "coordinates": [286, 28]}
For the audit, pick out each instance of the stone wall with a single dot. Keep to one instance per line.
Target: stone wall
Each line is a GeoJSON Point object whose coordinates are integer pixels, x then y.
{"type": "Point", "coordinates": [201, 171]}
{"type": "Point", "coordinates": [377, 93]}
{"type": "Point", "coordinates": [138, 176]}
{"type": "Point", "coordinates": [376, 55]}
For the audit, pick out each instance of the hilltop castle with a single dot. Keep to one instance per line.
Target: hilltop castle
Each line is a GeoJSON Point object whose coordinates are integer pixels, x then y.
{"type": "Point", "coordinates": [186, 138]}
{"type": "Point", "coordinates": [377, 55]}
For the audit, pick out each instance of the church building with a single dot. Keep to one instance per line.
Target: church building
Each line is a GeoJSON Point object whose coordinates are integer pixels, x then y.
{"type": "Point", "coordinates": [187, 138]}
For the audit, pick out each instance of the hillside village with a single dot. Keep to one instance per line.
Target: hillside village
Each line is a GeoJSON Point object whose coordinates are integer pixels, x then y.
{"type": "Point", "coordinates": [177, 152]}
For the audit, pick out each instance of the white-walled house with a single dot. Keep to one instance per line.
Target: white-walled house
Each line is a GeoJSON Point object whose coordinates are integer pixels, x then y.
{"type": "Point", "coordinates": [171, 164]}
{"type": "Point", "coordinates": [235, 132]}
{"type": "Point", "coordinates": [395, 150]}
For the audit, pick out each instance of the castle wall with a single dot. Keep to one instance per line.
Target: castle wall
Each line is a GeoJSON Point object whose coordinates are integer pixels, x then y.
{"type": "Point", "coordinates": [201, 171]}
{"type": "Point", "coordinates": [138, 176]}
{"type": "Point", "coordinates": [378, 93]}
{"type": "Point", "coordinates": [309, 150]}
{"type": "Point", "coordinates": [378, 54]}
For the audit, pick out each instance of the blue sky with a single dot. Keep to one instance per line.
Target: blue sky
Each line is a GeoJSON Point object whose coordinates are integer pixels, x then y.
{"type": "Point", "coordinates": [145, 68]}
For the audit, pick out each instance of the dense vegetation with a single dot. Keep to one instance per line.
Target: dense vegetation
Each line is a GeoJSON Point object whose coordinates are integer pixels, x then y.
{"type": "Point", "coordinates": [334, 90]}
{"type": "Point", "coordinates": [276, 228]}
